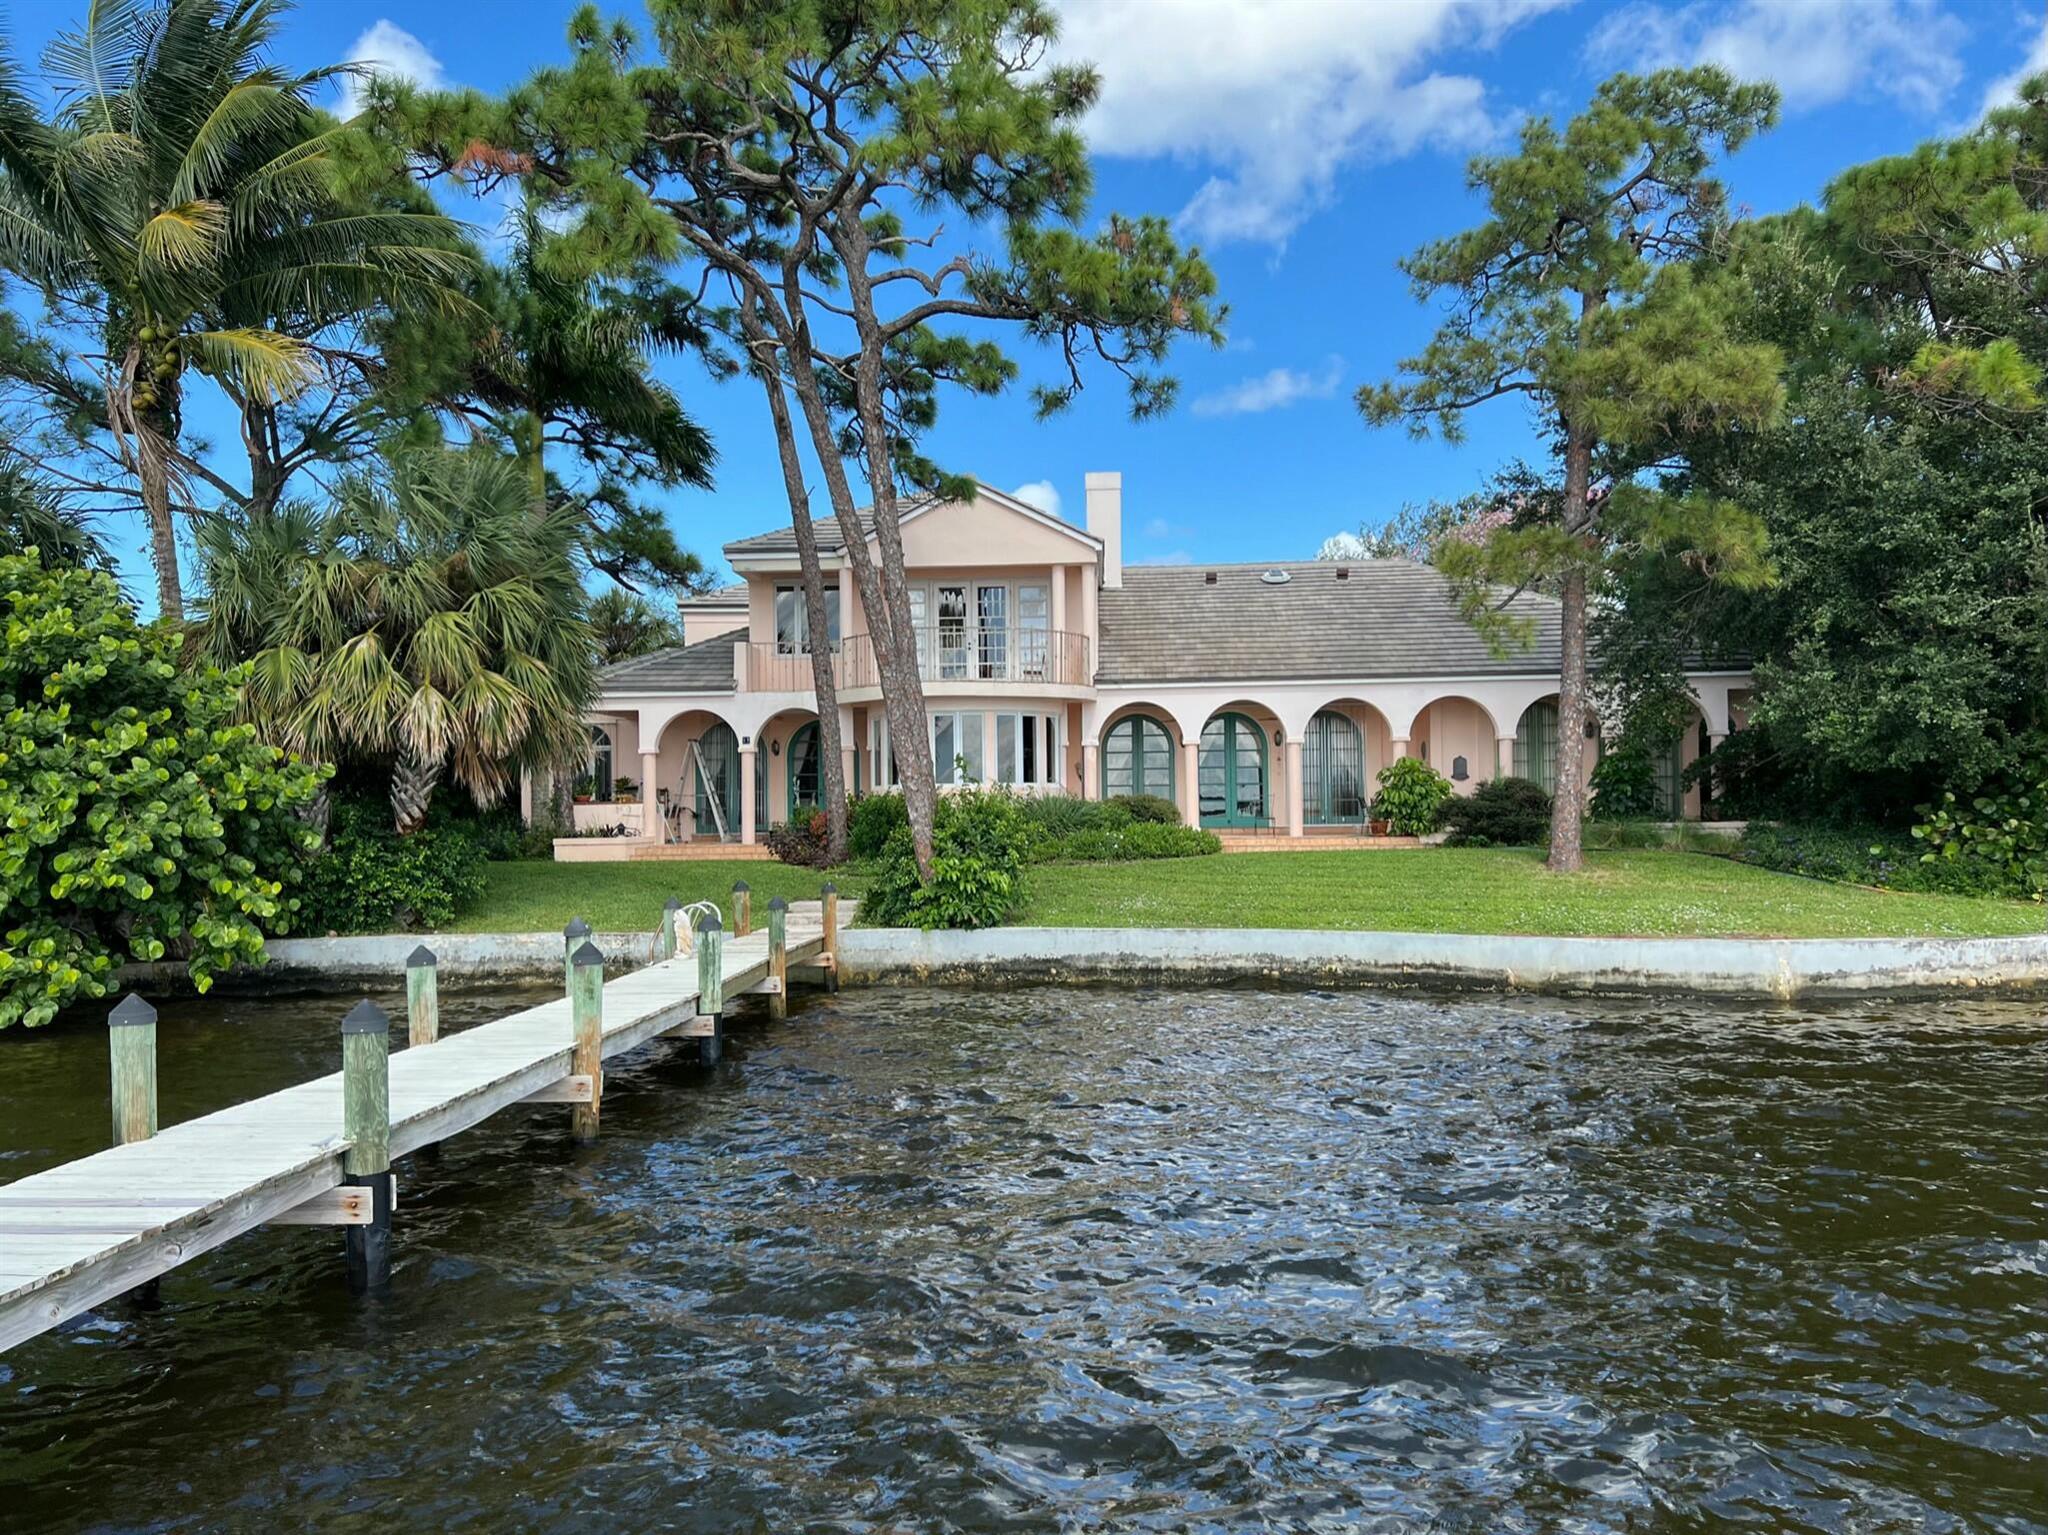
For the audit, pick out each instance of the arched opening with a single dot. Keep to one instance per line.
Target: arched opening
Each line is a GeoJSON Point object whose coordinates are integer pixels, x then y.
{"type": "Point", "coordinates": [1233, 772]}
{"type": "Point", "coordinates": [805, 778]}
{"type": "Point", "coordinates": [1456, 736]}
{"type": "Point", "coordinates": [715, 782]}
{"type": "Point", "coordinates": [603, 762]}
{"type": "Point", "coordinates": [1137, 758]}
{"type": "Point", "coordinates": [1333, 782]}
{"type": "Point", "coordinates": [1536, 744]}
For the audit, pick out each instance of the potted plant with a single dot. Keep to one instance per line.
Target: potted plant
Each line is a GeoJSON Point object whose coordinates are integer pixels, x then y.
{"type": "Point", "coordinates": [625, 791]}
{"type": "Point", "coordinates": [584, 789]}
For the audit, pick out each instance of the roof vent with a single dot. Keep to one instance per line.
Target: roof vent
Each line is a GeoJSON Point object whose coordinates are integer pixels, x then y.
{"type": "Point", "coordinates": [1208, 578]}
{"type": "Point", "coordinates": [1276, 577]}
{"type": "Point", "coordinates": [1343, 572]}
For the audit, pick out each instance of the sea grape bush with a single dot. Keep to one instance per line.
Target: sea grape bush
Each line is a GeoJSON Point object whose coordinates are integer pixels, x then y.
{"type": "Point", "coordinates": [1411, 797]}
{"type": "Point", "coordinates": [137, 819]}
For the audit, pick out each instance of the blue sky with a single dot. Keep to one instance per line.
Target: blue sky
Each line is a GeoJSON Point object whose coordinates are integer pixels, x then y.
{"type": "Point", "coordinates": [1305, 145]}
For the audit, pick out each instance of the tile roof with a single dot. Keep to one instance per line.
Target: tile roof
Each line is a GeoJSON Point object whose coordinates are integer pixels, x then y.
{"type": "Point", "coordinates": [705, 667]}
{"type": "Point", "coordinates": [1385, 618]}
{"type": "Point", "coordinates": [731, 596]}
{"type": "Point", "coordinates": [783, 540]}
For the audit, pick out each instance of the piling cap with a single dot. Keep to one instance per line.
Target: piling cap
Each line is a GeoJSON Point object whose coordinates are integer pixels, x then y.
{"type": "Point", "coordinates": [738, 885]}
{"type": "Point", "coordinates": [577, 928]}
{"type": "Point", "coordinates": [828, 888]}
{"type": "Point", "coordinates": [366, 1017]}
{"type": "Point", "coordinates": [777, 903]}
{"type": "Point", "coordinates": [674, 904]}
{"type": "Point", "coordinates": [589, 954]}
{"type": "Point", "coordinates": [129, 1011]}
{"type": "Point", "coordinates": [709, 923]}
{"type": "Point", "coordinates": [421, 958]}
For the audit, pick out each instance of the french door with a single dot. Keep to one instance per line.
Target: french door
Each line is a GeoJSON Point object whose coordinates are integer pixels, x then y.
{"type": "Point", "coordinates": [1332, 771]}
{"type": "Point", "coordinates": [1231, 771]}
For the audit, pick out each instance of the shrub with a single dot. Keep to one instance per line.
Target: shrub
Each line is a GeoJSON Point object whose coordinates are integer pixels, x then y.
{"type": "Point", "coordinates": [1155, 839]}
{"type": "Point", "coordinates": [870, 821]}
{"type": "Point", "coordinates": [803, 841]}
{"type": "Point", "coordinates": [1150, 808]}
{"type": "Point", "coordinates": [1062, 815]}
{"type": "Point", "coordinates": [1411, 797]}
{"type": "Point", "coordinates": [1998, 844]}
{"type": "Point", "coordinates": [371, 880]}
{"type": "Point", "coordinates": [1503, 812]}
{"type": "Point", "coordinates": [134, 814]}
{"type": "Point", "coordinates": [1624, 785]}
{"type": "Point", "coordinates": [1858, 855]}
{"type": "Point", "coordinates": [978, 841]}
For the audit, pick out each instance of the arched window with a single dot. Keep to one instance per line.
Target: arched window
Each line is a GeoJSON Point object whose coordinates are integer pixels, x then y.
{"type": "Point", "coordinates": [1536, 744]}
{"type": "Point", "coordinates": [1232, 772]}
{"type": "Point", "coordinates": [601, 773]}
{"type": "Point", "coordinates": [806, 782]}
{"type": "Point", "coordinates": [1332, 770]}
{"type": "Point", "coordinates": [1137, 758]}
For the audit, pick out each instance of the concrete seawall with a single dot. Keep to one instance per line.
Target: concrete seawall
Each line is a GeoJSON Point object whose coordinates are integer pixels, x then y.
{"type": "Point", "coordinates": [1732, 967]}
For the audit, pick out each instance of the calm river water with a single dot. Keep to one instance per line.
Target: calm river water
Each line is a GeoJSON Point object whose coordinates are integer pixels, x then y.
{"type": "Point", "coordinates": [1082, 1259]}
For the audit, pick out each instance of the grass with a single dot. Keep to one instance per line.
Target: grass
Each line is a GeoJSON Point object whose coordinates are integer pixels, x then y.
{"type": "Point", "coordinates": [1500, 890]}
{"type": "Point", "coordinates": [538, 896]}
{"type": "Point", "coordinates": [1468, 890]}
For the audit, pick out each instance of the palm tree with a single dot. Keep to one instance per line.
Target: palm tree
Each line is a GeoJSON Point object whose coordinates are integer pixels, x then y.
{"type": "Point", "coordinates": [625, 624]}
{"type": "Point", "coordinates": [431, 621]}
{"type": "Point", "coordinates": [183, 186]}
{"type": "Point", "coordinates": [36, 513]}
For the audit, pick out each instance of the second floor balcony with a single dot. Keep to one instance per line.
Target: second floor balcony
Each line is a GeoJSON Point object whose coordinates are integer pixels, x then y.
{"type": "Point", "coordinates": [1018, 656]}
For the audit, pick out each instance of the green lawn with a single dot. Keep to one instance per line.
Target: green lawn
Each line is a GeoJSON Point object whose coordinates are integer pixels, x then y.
{"type": "Point", "coordinates": [1471, 890]}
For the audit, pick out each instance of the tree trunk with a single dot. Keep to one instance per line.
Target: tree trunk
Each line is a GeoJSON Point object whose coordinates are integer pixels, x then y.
{"type": "Point", "coordinates": [412, 791]}
{"type": "Point", "coordinates": [895, 652]}
{"type": "Point", "coordinates": [832, 772]}
{"type": "Point", "coordinates": [1568, 808]}
{"type": "Point", "coordinates": [154, 472]}
{"type": "Point", "coordinates": [260, 439]}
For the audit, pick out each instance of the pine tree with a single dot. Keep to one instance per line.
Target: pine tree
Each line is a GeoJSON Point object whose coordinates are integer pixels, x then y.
{"type": "Point", "coordinates": [1593, 291]}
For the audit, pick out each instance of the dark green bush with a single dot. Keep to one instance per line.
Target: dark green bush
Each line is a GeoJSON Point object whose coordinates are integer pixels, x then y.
{"type": "Point", "coordinates": [1997, 843]}
{"type": "Point", "coordinates": [802, 841]}
{"type": "Point", "coordinates": [1149, 807]}
{"type": "Point", "coordinates": [1859, 855]}
{"type": "Point", "coordinates": [1062, 815]}
{"type": "Point", "coordinates": [1411, 797]}
{"type": "Point", "coordinates": [1624, 785]}
{"type": "Point", "coordinates": [371, 880]}
{"type": "Point", "coordinates": [1503, 812]}
{"type": "Point", "coordinates": [1140, 839]}
{"type": "Point", "coordinates": [870, 821]}
{"type": "Point", "coordinates": [978, 844]}
{"type": "Point", "coordinates": [1155, 839]}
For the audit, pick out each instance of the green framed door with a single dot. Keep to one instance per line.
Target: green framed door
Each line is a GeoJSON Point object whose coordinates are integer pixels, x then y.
{"type": "Point", "coordinates": [1333, 771]}
{"type": "Point", "coordinates": [1231, 772]}
{"type": "Point", "coordinates": [1137, 758]}
{"type": "Point", "coordinates": [719, 750]}
{"type": "Point", "coordinates": [806, 781]}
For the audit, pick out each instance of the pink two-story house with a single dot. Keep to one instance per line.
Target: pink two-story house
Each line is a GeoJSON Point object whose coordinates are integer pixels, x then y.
{"type": "Point", "coordinates": [1260, 699]}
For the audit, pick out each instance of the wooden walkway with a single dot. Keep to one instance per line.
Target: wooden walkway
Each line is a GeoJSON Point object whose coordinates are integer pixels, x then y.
{"type": "Point", "coordinates": [78, 1235]}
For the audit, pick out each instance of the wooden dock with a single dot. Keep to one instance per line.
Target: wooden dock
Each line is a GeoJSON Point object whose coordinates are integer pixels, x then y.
{"type": "Point", "coordinates": [78, 1235]}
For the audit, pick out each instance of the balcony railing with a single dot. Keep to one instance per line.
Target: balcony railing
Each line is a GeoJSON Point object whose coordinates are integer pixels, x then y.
{"type": "Point", "coordinates": [945, 653]}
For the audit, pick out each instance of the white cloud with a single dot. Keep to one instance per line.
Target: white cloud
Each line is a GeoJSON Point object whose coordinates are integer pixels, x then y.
{"type": "Point", "coordinates": [1272, 391]}
{"type": "Point", "coordinates": [1815, 51]}
{"type": "Point", "coordinates": [1042, 494]}
{"type": "Point", "coordinates": [386, 48]}
{"type": "Point", "coordinates": [2005, 88]}
{"type": "Point", "coordinates": [1279, 96]}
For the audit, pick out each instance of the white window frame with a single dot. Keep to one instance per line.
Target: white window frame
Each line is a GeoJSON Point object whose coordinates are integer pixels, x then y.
{"type": "Point", "coordinates": [1010, 739]}
{"type": "Point", "coordinates": [797, 641]}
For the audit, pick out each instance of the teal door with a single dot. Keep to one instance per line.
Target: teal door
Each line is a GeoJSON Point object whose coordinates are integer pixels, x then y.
{"type": "Point", "coordinates": [1332, 771]}
{"type": "Point", "coordinates": [719, 750]}
{"type": "Point", "coordinates": [1231, 768]}
{"type": "Point", "coordinates": [806, 781]}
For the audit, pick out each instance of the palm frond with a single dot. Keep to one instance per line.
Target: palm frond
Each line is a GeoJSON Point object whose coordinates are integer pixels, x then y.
{"type": "Point", "coordinates": [265, 364]}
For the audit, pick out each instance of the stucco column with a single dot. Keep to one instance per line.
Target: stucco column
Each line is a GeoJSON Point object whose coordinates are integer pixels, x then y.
{"type": "Point", "coordinates": [1190, 782]}
{"type": "Point", "coordinates": [1091, 770]}
{"type": "Point", "coordinates": [1295, 808]}
{"type": "Point", "coordinates": [1059, 608]}
{"type": "Point", "coordinates": [747, 795]}
{"type": "Point", "coordinates": [650, 807]}
{"type": "Point", "coordinates": [1504, 757]}
{"type": "Point", "coordinates": [1399, 746]}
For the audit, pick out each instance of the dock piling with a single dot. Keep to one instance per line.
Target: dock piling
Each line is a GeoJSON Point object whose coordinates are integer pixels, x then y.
{"type": "Point", "coordinates": [778, 957]}
{"type": "Point", "coordinates": [366, 1121]}
{"type": "Point", "coordinates": [131, 1057]}
{"type": "Point", "coordinates": [668, 927]}
{"type": "Point", "coordinates": [422, 997]}
{"type": "Point", "coordinates": [742, 909]}
{"type": "Point", "coordinates": [573, 938]}
{"type": "Point", "coordinates": [586, 1010]}
{"type": "Point", "coordinates": [710, 983]}
{"type": "Point", "coordinates": [828, 953]}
